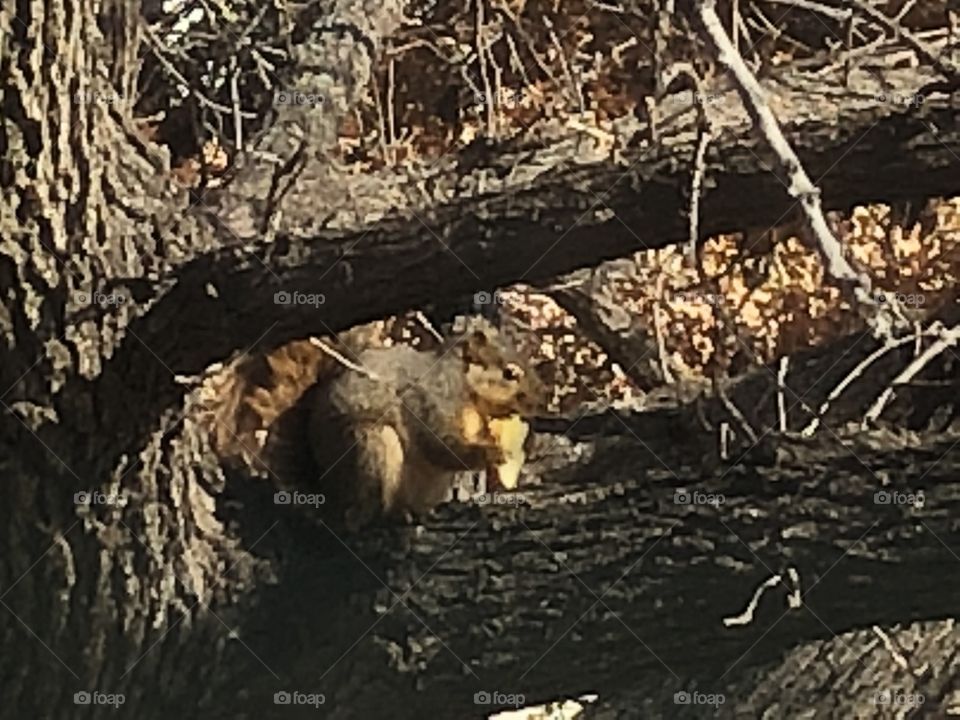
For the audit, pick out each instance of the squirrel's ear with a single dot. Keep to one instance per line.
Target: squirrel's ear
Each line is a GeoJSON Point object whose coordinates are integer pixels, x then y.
{"type": "Point", "coordinates": [473, 344]}
{"type": "Point", "coordinates": [479, 338]}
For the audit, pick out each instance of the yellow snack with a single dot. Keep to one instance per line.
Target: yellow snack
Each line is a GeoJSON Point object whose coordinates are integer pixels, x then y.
{"type": "Point", "coordinates": [510, 434]}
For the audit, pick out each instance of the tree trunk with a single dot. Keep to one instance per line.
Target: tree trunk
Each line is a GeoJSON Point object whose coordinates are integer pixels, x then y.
{"type": "Point", "coordinates": [133, 565]}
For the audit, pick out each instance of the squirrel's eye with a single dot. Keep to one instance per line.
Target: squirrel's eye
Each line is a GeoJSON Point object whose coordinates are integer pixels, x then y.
{"type": "Point", "coordinates": [512, 372]}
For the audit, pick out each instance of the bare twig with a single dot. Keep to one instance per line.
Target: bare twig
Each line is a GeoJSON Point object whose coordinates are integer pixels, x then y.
{"type": "Point", "coordinates": [428, 326]}
{"type": "Point", "coordinates": [160, 51]}
{"type": "Point", "coordinates": [944, 67]}
{"type": "Point", "coordinates": [291, 168]}
{"type": "Point", "coordinates": [696, 188]}
{"type": "Point", "coordinates": [800, 186]}
{"type": "Point", "coordinates": [346, 362]}
{"type": "Point", "coordinates": [889, 344]}
{"type": "Point", "coordinates": [530, 43]}
{"type": "Point", "coordinates": [381, 120]}
{"type": "Point", "coordinates": [516, 61]}
{"type": "Point", "coordinates": [235, 97]}
{"type": "Point", "coordinates": [781, 400]}
{"type": "Point", "coordinates": [577, 90]}
{"type": "Point", "coordinates": [391, 121]}
{"type": "Point", "coordinates": [815, 7]}
{"type": "Point", "coordinates": [737, 414]}
{"type": "Point", "coordinates": [668, 377]}
{"type": "Point", "coordinates": [484, 75]}
{"type": "Point", "coordinates": [948, 338]}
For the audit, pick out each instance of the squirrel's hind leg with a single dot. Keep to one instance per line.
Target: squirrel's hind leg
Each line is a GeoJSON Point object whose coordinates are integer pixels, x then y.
{"type": "Point", "coordinates": [378, 473]}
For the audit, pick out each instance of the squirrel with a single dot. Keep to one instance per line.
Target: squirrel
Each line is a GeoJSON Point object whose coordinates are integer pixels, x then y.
{"type": "Point", "coordinates": [383, 435]}
{"type": "Point", "coordinates": [390, 436]}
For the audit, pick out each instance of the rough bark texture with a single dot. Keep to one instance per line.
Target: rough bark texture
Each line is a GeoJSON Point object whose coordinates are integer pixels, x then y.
{"type": "Point", "coordinates": [196, 596]}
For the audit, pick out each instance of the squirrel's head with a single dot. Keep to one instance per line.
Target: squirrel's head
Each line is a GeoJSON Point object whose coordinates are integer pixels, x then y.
{"type": "Point", "coordinates": [501, 382]}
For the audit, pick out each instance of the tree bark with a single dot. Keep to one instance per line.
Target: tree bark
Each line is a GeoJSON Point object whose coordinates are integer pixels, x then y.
{"type": "Point", "coordinates": [190, 593]}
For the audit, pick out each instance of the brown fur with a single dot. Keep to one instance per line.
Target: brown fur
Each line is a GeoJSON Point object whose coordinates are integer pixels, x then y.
{"type": "Point", "coordinates": [386, 439]}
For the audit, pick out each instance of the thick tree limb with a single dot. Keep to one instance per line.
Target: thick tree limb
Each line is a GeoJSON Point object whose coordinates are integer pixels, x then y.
{"type": "Point", "coordinates": [590, 587]}
{"type": "Point", "coordinates": [547, 212]}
